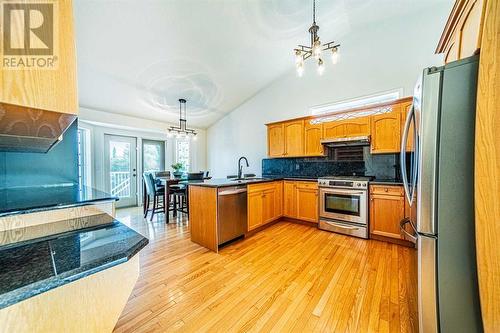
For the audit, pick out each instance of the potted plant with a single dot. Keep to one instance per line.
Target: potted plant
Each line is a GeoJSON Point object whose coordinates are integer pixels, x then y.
{"type": "Point", "coordinates": [178, 169]}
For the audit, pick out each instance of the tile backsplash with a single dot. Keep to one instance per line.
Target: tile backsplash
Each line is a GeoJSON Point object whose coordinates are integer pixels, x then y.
{"type": "Point", "coordinates": [381, 166]}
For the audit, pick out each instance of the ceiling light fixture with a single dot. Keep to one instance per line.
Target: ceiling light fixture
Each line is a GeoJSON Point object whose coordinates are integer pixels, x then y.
{"type": "Point", "coordinates": [303, 52]}
{"type": "Point", "coordinates": [182, 131]}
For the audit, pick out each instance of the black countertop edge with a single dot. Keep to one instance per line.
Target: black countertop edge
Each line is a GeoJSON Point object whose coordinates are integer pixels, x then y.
{"type": "Point", "coordinates": [25, 200]}
{"type": "Point", "coordinates": [392, 182]}
{"type": "Point", "coordinates": [222, 182]}
{"type": "Point", "coordinates": [228, 182]}
{"type": "Point", "coordinates": [33, 268]}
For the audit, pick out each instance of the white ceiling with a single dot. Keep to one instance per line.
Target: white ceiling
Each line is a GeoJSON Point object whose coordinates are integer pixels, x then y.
{"type": "Point", "coordinates": [139, 57]}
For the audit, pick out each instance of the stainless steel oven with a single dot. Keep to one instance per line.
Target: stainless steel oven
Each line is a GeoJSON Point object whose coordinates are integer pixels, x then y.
{"type": "Point", "coordinates": [344, 206]}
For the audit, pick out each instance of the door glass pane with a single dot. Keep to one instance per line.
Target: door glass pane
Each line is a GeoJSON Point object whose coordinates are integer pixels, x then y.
{"type": "Point", "coordinates": [343, 204]}
{"type": "Point", "coordinates": [153, 155]}
{"type": "Point", "coordinates": [183, 153]}
{"type": "Point", "coordinates": [119, 159]}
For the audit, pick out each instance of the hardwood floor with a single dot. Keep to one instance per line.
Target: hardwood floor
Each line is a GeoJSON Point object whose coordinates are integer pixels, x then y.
{"type": "Point", "coordinates": [288, 277]}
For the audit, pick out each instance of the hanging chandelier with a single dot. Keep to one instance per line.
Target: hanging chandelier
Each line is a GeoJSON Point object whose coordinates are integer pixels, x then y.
{"type": "Point", "coordinates": [182, 131]}
{"type": "Point", "coordinates": [303, 52]}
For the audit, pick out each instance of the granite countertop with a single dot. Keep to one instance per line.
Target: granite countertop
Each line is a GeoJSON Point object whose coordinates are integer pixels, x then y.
{"type": "Point", "coordinates": [386, 182]}
{"type": "Point", "coordinates": [23, 200]}
{"type": "Point", "coordinates": [38, 260]}
{"type": "Point", "coordinates": [223, 182]}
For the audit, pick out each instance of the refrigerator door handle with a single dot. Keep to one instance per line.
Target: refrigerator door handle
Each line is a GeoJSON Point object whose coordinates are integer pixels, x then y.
{"type": "Point", "coordinates": [402, 155]}
{"type": "Point", "coordinates": [402, 225]}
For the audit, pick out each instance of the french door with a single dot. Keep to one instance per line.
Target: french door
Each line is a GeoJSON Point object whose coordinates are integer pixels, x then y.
{"type": "Point", "coordinates": [120, 167]}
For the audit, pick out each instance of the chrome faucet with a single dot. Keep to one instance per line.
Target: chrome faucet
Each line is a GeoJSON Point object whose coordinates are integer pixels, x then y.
{"type": "Point", "coordinates": [240, 167]}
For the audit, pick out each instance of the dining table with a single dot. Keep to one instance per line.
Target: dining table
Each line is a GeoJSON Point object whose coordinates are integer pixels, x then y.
{"type": "Point", "coordinates": [169, 183]}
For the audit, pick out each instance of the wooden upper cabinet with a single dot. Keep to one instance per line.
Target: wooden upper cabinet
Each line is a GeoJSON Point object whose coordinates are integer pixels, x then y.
{"type": "Point", "coordinates": [313, 134]}
{"type": "Point", "coordinates": [405, 109]}
{"type": "Point", "coordinates": [346, 128]}
{"type": "Point", "coordinates": [294, 138]}
{"type": "Point", "coordinates": [461, 37]}
{"type": "Point", "coordinates": [51, 88]}
{"type": "Point", "coordinates": [307, 201]}
{"type": "Point", "coordinates": [276, 140]}
{"type": "Point", "coordinates": [357, 126]}
{"type": "Point", "coordinates": [333, 130]}
{"type": "Point", "coordinates": [386, 132]}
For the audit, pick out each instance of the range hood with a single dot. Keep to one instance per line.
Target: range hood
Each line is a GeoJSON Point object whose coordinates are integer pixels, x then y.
{"type": "Point", "coordinates": [25, 129]}
{"type": "Point", "coordinates": [347, 142]}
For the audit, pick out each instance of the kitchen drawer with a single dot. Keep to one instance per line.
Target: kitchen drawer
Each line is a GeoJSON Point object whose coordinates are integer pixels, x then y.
{"type": "Point", "coordinates": [395, 190]}
{"type": "Point", "coordinates": [261, 187]}
{"type": "Point", "coordinates": [309, 185]}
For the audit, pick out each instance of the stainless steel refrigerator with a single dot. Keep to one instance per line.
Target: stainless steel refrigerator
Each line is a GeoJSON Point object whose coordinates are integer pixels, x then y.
{"type": "Point", "coordinates": [437, 164]}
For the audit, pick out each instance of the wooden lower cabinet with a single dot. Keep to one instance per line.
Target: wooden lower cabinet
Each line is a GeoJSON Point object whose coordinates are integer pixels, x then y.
{"type": "Point", "coordinates": [387, 209]}
{"type": "Point", "coordinates": [289, 199]}
{"type": "Point", "coordinates": [300, 200]}
{"type": "Point", "coordinates": [307, 202]}
{"type": "Point", "coordinates": [254, 214]}
{"type": "Point", "coordinates": [264, 203]}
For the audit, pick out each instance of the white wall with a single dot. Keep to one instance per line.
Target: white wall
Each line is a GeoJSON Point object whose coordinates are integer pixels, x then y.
{"type": "Point", "coordinates": [100, 123]}
{"type": "Point", "coordinates": [386, 56]}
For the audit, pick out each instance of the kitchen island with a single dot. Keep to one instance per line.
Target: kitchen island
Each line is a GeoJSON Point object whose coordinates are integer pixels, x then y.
{"type": "Point", "coordinates": [215, 220]}
{"type": "Point", "coordinates": [61, 255]}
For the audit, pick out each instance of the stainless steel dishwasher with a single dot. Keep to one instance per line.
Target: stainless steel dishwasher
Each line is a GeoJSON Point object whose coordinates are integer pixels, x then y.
{"type": "Point", "coordinates": [231, 212]}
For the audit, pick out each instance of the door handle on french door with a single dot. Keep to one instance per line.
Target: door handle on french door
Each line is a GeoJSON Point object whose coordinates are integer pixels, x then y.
{"type": "Point", "coordinates": [402, 225]}
{"type": "Point", "coordinates": [402, 155]}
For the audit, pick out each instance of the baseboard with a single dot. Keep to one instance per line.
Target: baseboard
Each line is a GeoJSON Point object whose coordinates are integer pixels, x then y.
{"type": "Point", "coordinates": [392, 240]}
{"type": "Point", "coordinates": [289, 219]}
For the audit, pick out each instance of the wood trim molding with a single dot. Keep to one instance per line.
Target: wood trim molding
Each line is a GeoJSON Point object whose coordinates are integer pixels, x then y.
{"type": "Point", "coordinates": [374, 106]}
{"type": "Point", "coordinates": [487, 170]}
{"type": "Point", "coordinates": [451, 25]}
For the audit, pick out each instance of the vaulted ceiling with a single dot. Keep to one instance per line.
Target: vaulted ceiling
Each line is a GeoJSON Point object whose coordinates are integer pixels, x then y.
{"type": "Point", "coordinates": [138, 57]}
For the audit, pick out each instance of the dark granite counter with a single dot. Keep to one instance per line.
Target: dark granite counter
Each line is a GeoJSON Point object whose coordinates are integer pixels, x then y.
{"type": "Point", "coordinates": [23, 200]}
{"type": "Point", "coordinates": [294, 178]}
{"type": "Point", "coordinates": [39, 260]}
{"type": "Point", "coordinates": [394, 182]}
{"type": "Point", "coordinates": [222, 182]}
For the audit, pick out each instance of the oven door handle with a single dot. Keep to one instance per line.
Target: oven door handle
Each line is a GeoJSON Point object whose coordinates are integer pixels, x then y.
{"type": "Point", "coordinates": [340, 226]}
{"type": "Point", "coordinates": [342, 192]}
{"type": "Point", "coordinates": [402, 225]}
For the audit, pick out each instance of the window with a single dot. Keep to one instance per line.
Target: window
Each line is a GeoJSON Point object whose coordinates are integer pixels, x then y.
{"type": "Point", "coordinates": [83, 157]}
{"type": "Point", "coordinates": [182, 152]}
{"type": "Point", "coordinates": [153, 155]}
{"type": "Point", "coordinates": [356, 102]}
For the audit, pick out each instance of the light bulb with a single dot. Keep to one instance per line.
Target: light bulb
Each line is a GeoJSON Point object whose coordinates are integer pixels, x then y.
{"type": "Point", "coordinates": [300, 69]}
{"type": "Point", "coordinates": [195, 137]}
{"type": "Point", "coordinates": [298, 57]}
{"type": "Point", "coordinates": [316, 49]}
{"type": "Point", "coordinates": [335, 55]}
{"type": "Point", "coordinates": [321, 66]}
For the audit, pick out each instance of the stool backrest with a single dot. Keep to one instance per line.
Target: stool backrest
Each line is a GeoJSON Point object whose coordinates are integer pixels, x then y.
{"type": "Point", "coordinates": [162, 174]}
{"type": "Point", "coordinates": [149, 182]}
{"type": "Point", "coordinates": [195, 176]}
